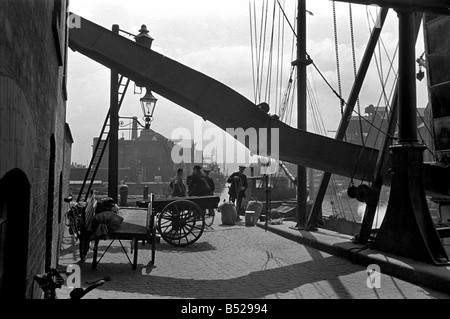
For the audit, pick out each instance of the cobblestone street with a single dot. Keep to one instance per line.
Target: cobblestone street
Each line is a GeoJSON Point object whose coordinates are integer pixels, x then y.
{"type": "Point", "coordinates": [234, 262]}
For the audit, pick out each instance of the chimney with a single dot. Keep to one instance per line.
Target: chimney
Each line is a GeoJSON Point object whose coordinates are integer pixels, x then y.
{"type": "Point", "coordinates": [134, 128]}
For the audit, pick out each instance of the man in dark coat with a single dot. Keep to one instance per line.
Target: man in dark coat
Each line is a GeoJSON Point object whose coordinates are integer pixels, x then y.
{"type": "Point", "coordinates": [238, 185]}
{"type": "Point", "coordinates": [212, 186]}
{"type": "Point", "coordinates": [210, 181]}
{"type": "Point", "coordinates": [179, 189]}
{"type": "Point", "coordinates": [198, 185]}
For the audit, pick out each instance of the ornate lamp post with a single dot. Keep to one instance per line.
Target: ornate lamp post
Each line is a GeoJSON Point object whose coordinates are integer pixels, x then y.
{"type": "Point", "coordinates": [143, 38]}
{"type": "Point", "coordinates": [148, 104]}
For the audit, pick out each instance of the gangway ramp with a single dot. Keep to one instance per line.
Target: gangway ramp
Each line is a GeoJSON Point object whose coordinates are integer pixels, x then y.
{"type": "Point", "coordinates": [226, 108]}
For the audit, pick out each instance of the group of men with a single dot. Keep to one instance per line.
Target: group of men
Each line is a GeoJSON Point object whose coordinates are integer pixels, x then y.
{"type": "Point", "coordinates": [199, 183]}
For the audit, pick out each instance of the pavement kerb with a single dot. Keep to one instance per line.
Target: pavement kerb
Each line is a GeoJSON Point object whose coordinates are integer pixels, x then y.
{"type": "Point", "coordinates": [416, 272]}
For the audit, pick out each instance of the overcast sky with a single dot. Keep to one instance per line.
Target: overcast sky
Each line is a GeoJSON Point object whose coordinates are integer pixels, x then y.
{"type": "Point", "coordinates": [213, 37]}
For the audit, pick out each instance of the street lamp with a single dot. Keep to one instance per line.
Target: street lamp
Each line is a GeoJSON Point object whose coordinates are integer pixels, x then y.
{"type": "Point", "coordinates": [143, 38]}
{"type": "Point", "coordinates": [148, 103]}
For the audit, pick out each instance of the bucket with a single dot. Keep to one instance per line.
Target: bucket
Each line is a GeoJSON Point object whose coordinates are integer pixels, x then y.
{"type": "Point", "coordinates": [250, 218]}
{"type": "Point", "coordinates": [255, 206]}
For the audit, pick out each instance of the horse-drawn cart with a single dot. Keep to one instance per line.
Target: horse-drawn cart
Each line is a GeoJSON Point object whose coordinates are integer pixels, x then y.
{"type": "Point", "coordinates": [179, 221]}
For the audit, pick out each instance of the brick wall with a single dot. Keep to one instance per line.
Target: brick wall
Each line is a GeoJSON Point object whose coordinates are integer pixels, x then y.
{"type": "Point", "coordinates": [32, 110]}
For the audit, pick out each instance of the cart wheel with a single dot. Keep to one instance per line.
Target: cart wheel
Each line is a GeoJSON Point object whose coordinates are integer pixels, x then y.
{"type": "Point", "coordinates": [181, 223]}
{"type": "Point", "coordinates": [210, 213]}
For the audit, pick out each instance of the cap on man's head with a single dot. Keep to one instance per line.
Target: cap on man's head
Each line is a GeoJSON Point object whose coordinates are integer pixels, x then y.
{"type": "Point", "coordinates": [197, 167]}
{"type": "Point", "coordinates": [242, 166]}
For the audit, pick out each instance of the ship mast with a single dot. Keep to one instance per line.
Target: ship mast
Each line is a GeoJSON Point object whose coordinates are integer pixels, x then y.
{"type": "Point", "coordinates": [301, 110]}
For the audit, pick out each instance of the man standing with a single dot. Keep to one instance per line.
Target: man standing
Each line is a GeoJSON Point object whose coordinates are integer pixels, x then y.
{"type": "Point", "coordinates": [238, 181]}
{"type": "Point", "coordinates": [179, 189]}
{"type": "Point", "coordinates": [198, 186]}
{"type": "Point", "coordinates": [210, 180]}
{"type": "Point", "coordinates": [212, 186]}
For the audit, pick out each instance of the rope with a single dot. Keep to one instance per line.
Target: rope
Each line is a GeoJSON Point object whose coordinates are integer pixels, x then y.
{"type": "Point", "coordinates": [370, 129]}
{"type": "Point", "coordinates": [257, 53]}
{"type": "Point", "coordinates": [291, 104]}
{"type": "Point", "coordinates": [259, 46]}
{"type": "Point", "coordinates": [251, 43]}
{"type": "Point", "coordinates": [294, 84]}
{"type": "Point", "coordinates": [279, 75]}
{"type": "Point", "coordinates": [339, 96]}
{"type": "Point", "coordinates": [420, 135]}
{"type": "Point", "coordinates": [383, 94]}
{"type": "Point", "coordinates": [270, 64]}
{"type": "Point", "coordinates": [263, 26]}
{"type": "Point", "coordinates": [286, 98]}
{"type": "Point", "coordinates": [289, 22]}
{"type": "Point", "coordinates": [288, 102]}
{"type": "Point", "coordinates": [336, 47]}
{"type": "Point", "coordinates": [264, 56]}
{"type": "Point", "coordinates": [354, 70]}
{"type": "Point", "coordinates": [391, 62]}
{"type": "Point", "coordinates": [319, 126]}
{"type": "Point", "coordinates": [375, 127]}
{"type": "Point", "coordinates": [282, 46]}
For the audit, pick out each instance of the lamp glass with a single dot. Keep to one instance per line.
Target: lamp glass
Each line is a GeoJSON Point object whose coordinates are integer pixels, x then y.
{"type": "Point", "coordinates": [148, 103]}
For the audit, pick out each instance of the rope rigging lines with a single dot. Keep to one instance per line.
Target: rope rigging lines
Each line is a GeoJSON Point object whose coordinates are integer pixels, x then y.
{"type": "Point", "coordinates": [264, 41]}
{"type": "Point", "coordinates": [354, 68]}
{"type": "Point", "coordinates": [268, 39]}
{"type": "Point", "coordinates": [338, 65]}
{"type": "Point", "coordinates": [384, 81]}
{"type": "Point", "coordinates": [275, 83]}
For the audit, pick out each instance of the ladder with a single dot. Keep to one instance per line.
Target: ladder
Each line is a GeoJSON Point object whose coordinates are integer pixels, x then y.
{"type": "Point", "coordinates": [101, 144]}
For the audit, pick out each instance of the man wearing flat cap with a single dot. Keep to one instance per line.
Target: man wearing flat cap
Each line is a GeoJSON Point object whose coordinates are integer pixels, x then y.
{"type": "Point", "coordinates": [238, 185]}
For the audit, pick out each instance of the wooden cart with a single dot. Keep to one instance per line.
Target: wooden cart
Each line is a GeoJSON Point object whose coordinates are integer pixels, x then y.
{"type": "Point", "coordinates": [138, 225]}
{"type": "Point", "coordinates": [179, 221]}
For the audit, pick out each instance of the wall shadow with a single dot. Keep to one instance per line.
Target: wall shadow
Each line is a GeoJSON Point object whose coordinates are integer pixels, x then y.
{"type": "Point", "coordinates": [257, 284]}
